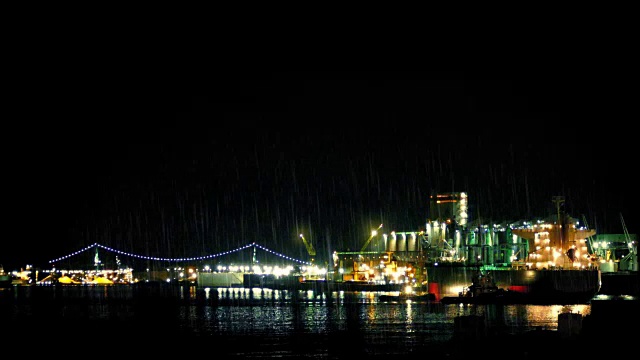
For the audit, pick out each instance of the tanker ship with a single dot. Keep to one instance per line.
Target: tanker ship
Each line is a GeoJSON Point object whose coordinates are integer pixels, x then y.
{"type": "Point", "coordinates": [546, 261]}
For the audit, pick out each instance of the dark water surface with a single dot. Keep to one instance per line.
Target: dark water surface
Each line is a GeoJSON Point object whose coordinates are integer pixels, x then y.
{"type": "Point", "coordinates": [260, 323]}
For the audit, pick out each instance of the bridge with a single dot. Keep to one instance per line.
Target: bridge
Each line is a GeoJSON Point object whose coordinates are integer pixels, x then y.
{"type": "Point", "coordinates": [221, 257]}
{"type": "Point", "coordinates": [250, 258]}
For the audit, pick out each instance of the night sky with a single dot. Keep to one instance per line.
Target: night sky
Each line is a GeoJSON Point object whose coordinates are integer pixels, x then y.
{"type": "Point", "coordinates": [195, 165]}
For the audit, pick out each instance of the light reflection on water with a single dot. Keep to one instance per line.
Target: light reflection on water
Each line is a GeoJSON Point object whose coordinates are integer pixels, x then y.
{"type": "Point", "coordinates": [373, 320]}
{"type": "Point", "coordinates": [272, 318]}
{"type": "Point", "coordinates": [280, 314]}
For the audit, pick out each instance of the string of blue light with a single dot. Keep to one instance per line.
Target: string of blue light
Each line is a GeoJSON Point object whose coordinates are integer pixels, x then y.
{"type": "Point", "coordinates": [196, 258]}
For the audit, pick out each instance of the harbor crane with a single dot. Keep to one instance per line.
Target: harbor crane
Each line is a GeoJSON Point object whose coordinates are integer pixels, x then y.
{"type": "Point", "coordinates": [310, 249]}
{"type": "Point", "coordinates": [630, 261]}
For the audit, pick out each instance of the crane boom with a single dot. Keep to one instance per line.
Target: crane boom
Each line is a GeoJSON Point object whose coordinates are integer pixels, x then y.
{"type": "Point", "coordinates": [373, 233]}
{"type": "Point", "coordinates": [627, 238]}
{"type": "Point", "coordinates": [589, 238]}
{"type": "Point", "coordinates": [310, 249]}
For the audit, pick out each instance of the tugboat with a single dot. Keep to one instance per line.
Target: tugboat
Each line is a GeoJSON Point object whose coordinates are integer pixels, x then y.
{"type": "Point", "coordinates": [483, 290]}
{"type": "Point", "coordinates": [482, 285]}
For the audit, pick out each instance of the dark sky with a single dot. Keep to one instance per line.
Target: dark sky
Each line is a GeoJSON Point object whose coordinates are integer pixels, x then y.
{"type": "Point", "coordinates": [196, 164]}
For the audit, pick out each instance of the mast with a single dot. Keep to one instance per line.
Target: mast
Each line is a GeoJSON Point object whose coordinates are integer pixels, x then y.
{"type": "Point", "coordinates": [558, 200]}
{"type": "Point", "coordinates": [253, 257]}
{"type": "Point", "coordinates": [96, 260]}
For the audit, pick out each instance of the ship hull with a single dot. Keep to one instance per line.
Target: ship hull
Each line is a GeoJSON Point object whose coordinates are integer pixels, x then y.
{"type": "Point", "coordinates": [405, 297]}
{"type": "Point", "coordinates": [331, 286]}
{"type": "Point", "coordinates": [535, 286]}
{"type": "Point", "coordinates": [620, 283]}
{"type": "Point", "coordinates": [297, 283]}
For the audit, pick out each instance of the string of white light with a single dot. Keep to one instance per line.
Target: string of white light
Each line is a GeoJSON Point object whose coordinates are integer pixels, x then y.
{"type": "Point", "coordinates": [178, 259]}
{"type": "Point", "coordinates": [281, 255]}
